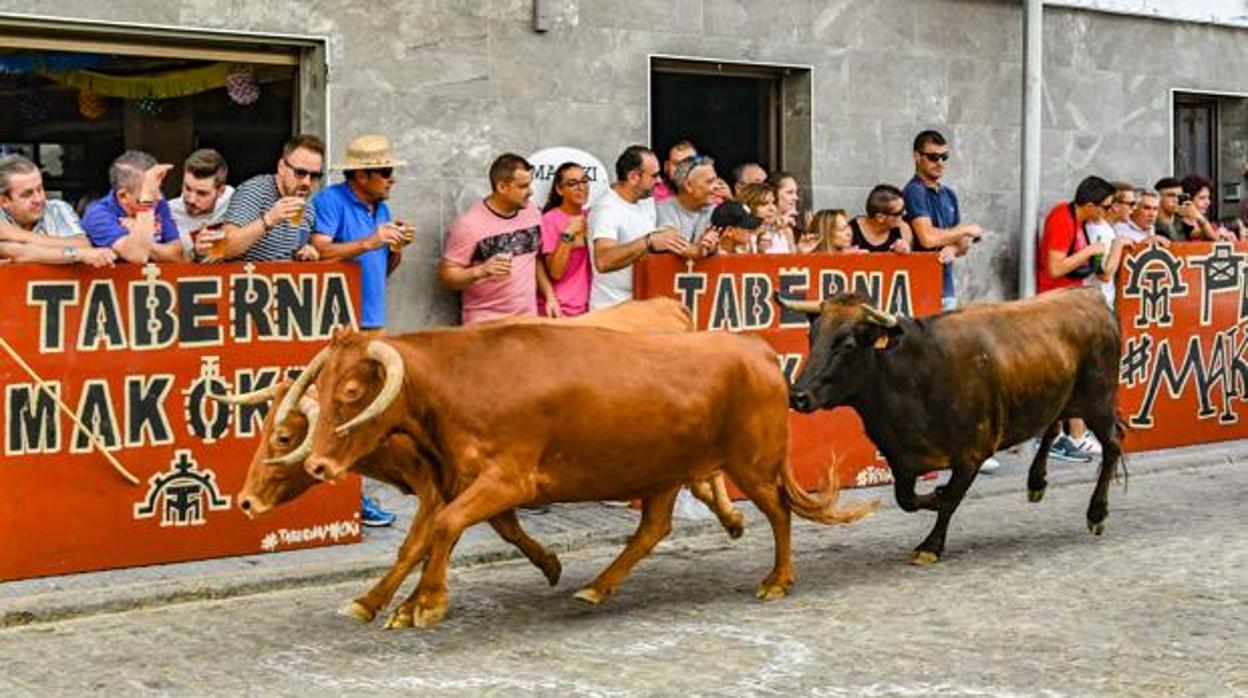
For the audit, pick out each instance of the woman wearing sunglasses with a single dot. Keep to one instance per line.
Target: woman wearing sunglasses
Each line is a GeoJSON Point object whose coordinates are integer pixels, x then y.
{"type": "Point", "coordinates": [563, 245]}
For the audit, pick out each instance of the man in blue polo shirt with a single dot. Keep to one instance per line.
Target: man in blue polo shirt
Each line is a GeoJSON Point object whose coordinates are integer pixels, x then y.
{"type": "Point", "coordinates": [353, 222]}
{"type": "Point", "coordinates": [134, 220]}
{"type": "Point", "coordinates": [933, 213]}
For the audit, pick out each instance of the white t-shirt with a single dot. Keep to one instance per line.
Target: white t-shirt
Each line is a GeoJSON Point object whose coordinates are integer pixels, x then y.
{"type": "Point", "coordinates": [1101, 232]}
{"type": "Point", "coordinates": [1132, 232]}
{"type": "Point", "coordinates": [615, 219]}
{"type": "Point", "coordinates": [188, 223]}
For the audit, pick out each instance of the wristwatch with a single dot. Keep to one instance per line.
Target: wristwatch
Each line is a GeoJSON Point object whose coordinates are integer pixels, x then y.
{"type": "Point", "coordinates": [567, 236]}
{"type": "Point", "coordinates": [71, 254]}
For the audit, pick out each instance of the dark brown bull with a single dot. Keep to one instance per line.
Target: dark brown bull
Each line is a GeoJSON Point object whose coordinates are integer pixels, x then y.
{"type": "Point", "coordinates": [949, 391]}
{"type": "Point", "coordinates": [524, 414]}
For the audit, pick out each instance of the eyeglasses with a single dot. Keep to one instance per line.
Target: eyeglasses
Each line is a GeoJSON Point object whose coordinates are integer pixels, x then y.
{"type": "Point", "coordinates": [383, 172]}
{"type": "Point", "coordinates": [1129, 203]}
{"type": "Point", "coordinates": [935, 157]}
{"type": "Point", "coordinates": [577, 183]}
{"type": "Point", "coordinates": [300, 173]}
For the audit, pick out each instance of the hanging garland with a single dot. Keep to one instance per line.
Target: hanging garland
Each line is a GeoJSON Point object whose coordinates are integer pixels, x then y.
{"type": "Point", "coordinates": [166, 85]}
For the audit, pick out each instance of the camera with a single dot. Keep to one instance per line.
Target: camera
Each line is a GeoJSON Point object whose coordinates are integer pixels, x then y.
{"type": "Point", "coordinates": [1184, 198]}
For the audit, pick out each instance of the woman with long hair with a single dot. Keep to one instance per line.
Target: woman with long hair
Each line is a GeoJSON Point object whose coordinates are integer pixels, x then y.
{"type": "Point", "coordinates": [564, 250]}
{"type": "Point", "coordinates": [828, 231]}
{"type": "Point", "coordinates": [761, 200]}
{"type": "Point", "coordinates": [787, 200]}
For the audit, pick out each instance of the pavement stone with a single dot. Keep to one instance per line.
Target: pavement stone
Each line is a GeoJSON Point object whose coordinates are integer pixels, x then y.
{"type": "Point", "coordinates": [564, 528]}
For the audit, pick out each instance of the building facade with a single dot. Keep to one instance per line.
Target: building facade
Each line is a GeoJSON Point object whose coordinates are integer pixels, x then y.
{"type": "Point", "coordinates": [833, 91]}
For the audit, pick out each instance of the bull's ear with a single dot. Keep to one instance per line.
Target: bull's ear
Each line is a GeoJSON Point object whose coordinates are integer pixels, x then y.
{"type": "Point", "coordinates": [889, 338]}
{"type": "Point", "coordinates": [880, 338]}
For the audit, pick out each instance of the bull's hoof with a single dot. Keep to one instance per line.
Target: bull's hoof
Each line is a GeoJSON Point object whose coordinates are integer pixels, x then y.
{"type": "Point", "coordinates": [590, 596]}
{"type": "Point", "coordinates": [735, 526]}
{"type": "Point", "coordinates": [400, 619]}
{"type": "Point", "coordinates": [357, 611]}
{"type": "Point", "coordinates": [770, 591]}
{"type": "Point", "coordinates": [923, 558]}
{"type": "Point", "coordinates": [552, 568]}
{"type": "Point", "coordinates": [1034, 496]}
{"type": "Point", "coordinates": [429, 617]}
{"type": "Point", "coordinates": [1097, 528]}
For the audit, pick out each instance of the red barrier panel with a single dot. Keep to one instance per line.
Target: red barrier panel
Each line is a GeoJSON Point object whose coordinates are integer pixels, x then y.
{"type": "Point", "coordinates": [1182, 312]}
{"type": "Point", "coordinates": [132, 352]}
{"type": "Point", "coordinates": [734, 294]}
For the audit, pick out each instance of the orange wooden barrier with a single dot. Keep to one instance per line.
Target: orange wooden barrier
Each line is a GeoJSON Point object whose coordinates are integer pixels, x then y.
{"type": "Point", "coordinates": [735, 294]}
{"type": "Point", "coordinates": [132, 352]}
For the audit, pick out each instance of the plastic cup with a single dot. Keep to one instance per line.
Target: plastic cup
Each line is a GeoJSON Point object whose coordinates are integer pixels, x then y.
{"type": "Point", "coordinates": [296, 218]}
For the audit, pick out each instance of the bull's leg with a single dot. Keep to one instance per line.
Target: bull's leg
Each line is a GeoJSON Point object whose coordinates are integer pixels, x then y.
{"type": "Point", "coordinates": [769, 498]}
{"type": "Point", "coordinates": [1106, 430]}
{"type": "Point", "coordinates": [714, 494]}
{"type": "Point", "coordinates": [656, 523]}
{"type": "Point", "coordinates": [1036, 476]}
{"type": "Point", "coordinates": [950, 497]}
{"type": "Point", "coordinates": [485, 498]}
{"type": "Point", "coordinates": [903, 489]}
{"type": "Point", "coordinates": [508, 528]}
{"type": "Point", "coordinates": [413, 550]}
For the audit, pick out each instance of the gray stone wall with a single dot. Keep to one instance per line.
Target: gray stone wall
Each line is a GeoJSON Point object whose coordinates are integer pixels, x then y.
{"type": "Point", "coordinates": [455, 82]}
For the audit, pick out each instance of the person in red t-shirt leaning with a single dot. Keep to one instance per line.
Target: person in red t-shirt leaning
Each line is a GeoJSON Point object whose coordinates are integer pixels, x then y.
{"type": "Point", "coordinates": [1066, 259]}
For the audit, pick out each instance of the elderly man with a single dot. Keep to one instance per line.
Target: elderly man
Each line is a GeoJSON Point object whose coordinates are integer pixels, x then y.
{"type": "Point", "coordinates": [270, 218]}
{"type": "Point", "coordinates": [36, 229]}
{"type": "Point", "coordinates": [747, 173]}
{"type": "Point", "coordinates": [622, 226]}
{"type": "Point", "coordinates": [690, 210]}
{"type": "Point", "coordinates": [205, 196]}
{"type": "Point", "coordinates": [134, 220]}
{"type": "Point", "coordinates": [1138, 227]}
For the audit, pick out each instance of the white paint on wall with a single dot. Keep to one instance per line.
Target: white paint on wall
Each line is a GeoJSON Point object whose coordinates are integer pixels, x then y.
{"type": "Point", "coordinates": [1233, 13]}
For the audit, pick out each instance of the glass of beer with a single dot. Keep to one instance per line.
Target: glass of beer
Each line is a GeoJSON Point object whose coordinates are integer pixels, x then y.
{"type": "Point", "coordinates": [296, 218]}
{"type": "Point", "coordinates": [217, 249]}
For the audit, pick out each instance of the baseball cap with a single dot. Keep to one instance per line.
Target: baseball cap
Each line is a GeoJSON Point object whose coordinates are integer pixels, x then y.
{"type": "Point", "coordinates": [734, 214]}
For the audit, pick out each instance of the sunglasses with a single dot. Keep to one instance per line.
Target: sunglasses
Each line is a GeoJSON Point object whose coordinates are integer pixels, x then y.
{"type": "Point", "coordinates": [383, 172]}
{"type": "Point", "coordinates": [314, 175]}
{"type": "Point", "coordinates": [574, 183]}
{"type": "Point", "coordinates": [935, 157]}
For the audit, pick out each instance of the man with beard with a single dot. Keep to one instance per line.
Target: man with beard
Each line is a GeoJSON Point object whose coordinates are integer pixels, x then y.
{"type": "Point", "coordinates": [270, 218]}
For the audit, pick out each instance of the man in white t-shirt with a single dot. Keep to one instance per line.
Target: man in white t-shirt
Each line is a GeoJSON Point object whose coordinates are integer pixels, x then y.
{"type": "Point", "coordinates": [623, 228]}
{"type": "Point", "coordinates": [1138, 227]}
{"type": "Point", "coordinates": [205, 196]}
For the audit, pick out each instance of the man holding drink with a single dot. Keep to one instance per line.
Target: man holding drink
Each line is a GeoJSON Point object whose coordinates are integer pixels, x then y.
{"type": "Point", "coordinates": [205, 198]}
{"type": "Point", "coordinates": [270, 218]}
{"type": "Point", "coordinates": [491, 251]}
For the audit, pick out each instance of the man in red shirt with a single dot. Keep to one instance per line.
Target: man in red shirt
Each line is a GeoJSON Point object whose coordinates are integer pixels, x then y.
{"type": "Point", "coordinates": [1066, 258]}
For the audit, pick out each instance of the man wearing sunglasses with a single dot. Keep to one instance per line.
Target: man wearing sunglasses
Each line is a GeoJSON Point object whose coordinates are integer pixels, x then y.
{"type": "Point", "coordinates": [933, 209]}
{"type": "Point", "coordinates": [270, 217]}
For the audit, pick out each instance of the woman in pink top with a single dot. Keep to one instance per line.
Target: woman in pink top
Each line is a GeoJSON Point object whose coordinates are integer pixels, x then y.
{"type": "Point", "coordinates": [564, 251]}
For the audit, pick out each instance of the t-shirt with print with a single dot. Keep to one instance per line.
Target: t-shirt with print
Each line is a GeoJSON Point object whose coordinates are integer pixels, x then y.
{"type": "Point", "coordinates": [480, 234]}
{"type": "Point", "coordinates": [573, 288]}
{"type": "Point", "coordinates": [617, 220]}
{"type": "Point", "coordinates": [102, 222]}
{"type": "Point", "coordinates": [58, 220]}
{"type": "Point", "coordinates": [691, 224]}
{"type": "Point", "coordinates": [1062, 233]}
{"type": "Point", "coordinates": [251, 200]}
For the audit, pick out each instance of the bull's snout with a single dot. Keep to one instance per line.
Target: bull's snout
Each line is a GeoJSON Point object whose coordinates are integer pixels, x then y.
{"type": "Point", "coordinates": [802, 400]}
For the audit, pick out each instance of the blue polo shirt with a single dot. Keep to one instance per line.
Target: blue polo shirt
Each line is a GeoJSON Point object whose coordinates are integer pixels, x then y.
{"type": "Point", "coordinates": [103, 228]}
{"type": "Point", "coordinates": [341, 214]}
{"type": "Point", "coordinates": [941, 206]}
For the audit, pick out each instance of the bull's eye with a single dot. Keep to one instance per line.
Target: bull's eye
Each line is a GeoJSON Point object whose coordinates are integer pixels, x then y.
{"type": "Point", "coordinates": [281, 438]}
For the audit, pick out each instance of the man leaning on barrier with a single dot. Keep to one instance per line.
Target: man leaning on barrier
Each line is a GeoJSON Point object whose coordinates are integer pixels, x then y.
{"type": "Point", "coordinates": [134, 220]}
{"type": "Point", "coordinates": [34, 228]}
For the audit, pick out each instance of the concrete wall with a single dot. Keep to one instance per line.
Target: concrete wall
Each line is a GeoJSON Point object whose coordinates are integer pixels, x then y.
{"type": "Point", "coordinates": [455, 82]}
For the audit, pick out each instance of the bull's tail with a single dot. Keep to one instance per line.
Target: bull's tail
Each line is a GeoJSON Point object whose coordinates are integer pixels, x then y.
{"type": "Point", "coordinates": [820, 506]}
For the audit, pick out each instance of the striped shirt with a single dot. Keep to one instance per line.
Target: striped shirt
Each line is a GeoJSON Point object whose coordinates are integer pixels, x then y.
{"type": "Point", "coordinates": [250, 201]}
{"type": "Point", "coordinates": [58, 220]}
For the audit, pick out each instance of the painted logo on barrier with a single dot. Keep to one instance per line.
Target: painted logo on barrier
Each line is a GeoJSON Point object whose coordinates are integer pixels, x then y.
{"type": "Point", "coordinates": [183, 495]}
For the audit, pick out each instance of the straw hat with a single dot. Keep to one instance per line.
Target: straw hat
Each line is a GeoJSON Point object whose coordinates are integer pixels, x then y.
{"type": "Point", "coordinates": [368, 152]}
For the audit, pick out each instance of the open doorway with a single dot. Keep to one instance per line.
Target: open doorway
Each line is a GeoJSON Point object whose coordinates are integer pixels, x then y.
{"type": "Point", "coordinates": [735, 113]}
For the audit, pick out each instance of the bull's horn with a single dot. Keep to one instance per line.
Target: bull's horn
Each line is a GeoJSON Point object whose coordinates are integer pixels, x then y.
{"type": "Point", "coordinates": [301, 384]}
{"type": "Point", "coordinates": [390, 360]}
{"type": "Point", "coordinates": [808, 307]}
{"type": "Point", "coordinates": [253, 398]}
{"type": "Point", "coordinates": [879, 317]}
{"type": "Point", "coordinates": [310, 408]}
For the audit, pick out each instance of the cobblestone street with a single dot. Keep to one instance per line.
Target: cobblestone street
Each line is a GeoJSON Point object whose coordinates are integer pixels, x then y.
{"type": "Point", "coordinates": [1025, 602]}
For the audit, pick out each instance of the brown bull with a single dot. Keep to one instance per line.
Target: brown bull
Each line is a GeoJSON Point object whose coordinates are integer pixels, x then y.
{"type": "Point", "coordinates": [949, 391]}
{"type": "Point", "coordinates": [276, 474]}
{"type": "Point", "coordinates": [534, 414]}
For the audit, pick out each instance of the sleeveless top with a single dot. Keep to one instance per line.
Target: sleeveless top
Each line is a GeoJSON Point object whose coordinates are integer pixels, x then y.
{"type": "Point", "coordinates": [861, 242]}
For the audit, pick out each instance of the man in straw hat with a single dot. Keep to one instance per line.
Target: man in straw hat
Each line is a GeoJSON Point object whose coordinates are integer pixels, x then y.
{"type": "Point", "coordinates": [353, 223]}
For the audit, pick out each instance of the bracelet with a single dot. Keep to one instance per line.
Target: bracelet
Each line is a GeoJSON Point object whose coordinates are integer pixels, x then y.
{"type": "Point", "coordinates": [648, 247]}
{"type": "Point", "coordinates": [264, 221]}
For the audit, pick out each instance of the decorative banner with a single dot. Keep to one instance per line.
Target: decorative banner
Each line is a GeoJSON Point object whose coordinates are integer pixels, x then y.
{"type": "Point", "coordinates": [1184, 318]}
{"type": "Point", "coordinates": [735, 293]}
{"type": "Point", "coordinates": [546, 161]}
{"type": "Point", "coordinates": [134, 353]}
{"type": "Point", "coordinates": [166, 85]}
